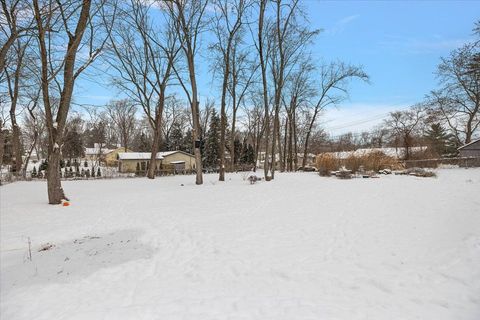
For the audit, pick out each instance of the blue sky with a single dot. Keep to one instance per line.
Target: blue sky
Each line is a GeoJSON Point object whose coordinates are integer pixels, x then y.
{"type": "Point", "coordinates": [399, 44]}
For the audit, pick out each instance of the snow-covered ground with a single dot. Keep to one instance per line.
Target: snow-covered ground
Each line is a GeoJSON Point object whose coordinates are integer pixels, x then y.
{"type": "Point", "coordinates": [301, 247]}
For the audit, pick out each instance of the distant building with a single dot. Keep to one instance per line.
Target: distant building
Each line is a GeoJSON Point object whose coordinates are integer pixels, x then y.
{"type": "Point", "coordinates": [98, 152]}
{"type": "Point", "coordinates": [471, 149]}
{"type": "Point", "coordinates": [179, 161]}
{"type": "Point", "coordinates": [396, 153]}
{"type": "Point", "coordinates": [111, 157]}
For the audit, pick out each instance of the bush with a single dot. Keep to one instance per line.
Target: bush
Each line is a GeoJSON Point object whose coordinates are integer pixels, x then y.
{"type": "Point", "coordinates": [374, 161]}
{"type": "Point", "coordinates": [34, 172]}
{"type": "Point", "coordinates": [326, 163]}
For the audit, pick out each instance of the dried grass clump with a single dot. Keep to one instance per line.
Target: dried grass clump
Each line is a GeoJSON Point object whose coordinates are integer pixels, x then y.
{"type": "Point", "coordinates": [326, 163]}
{"type": "Point", "coordinates": [374, 161]}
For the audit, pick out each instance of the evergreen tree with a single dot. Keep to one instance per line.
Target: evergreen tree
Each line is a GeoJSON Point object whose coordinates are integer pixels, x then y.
{"type": "Point", "coordinates": [212, 144]}
{"type": "Point", "coordinates": [187, 143]}
{"type": "Point", "coordinates": [73, 144]}
{"type": "Point", "coordinates": [34, 172]}
{"type": "Point", "coordinates": [238, 148]}
{"type": "Point", "coordinates": [99, 172]}
{"type": "Point", "coordinates": [137, 171]}
{"type": "Point", "coordinates": [176, 138]}
{"type": "Point", "coordinates": [93, 172]}
{"type": "Point", "coordinates": [251, 155]}
{"type": "Point", "coordinates": [440, 140]}
{"type": "Point", "coordinates": [43, 166]}
{"type": "Point", "coordinates": [85, 164]}
{"type": "Point", "coordinates": [244, 156]}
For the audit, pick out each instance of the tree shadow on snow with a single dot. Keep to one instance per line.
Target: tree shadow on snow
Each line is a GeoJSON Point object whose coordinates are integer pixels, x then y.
{"type": "Point", "coordinates": [64, 262]}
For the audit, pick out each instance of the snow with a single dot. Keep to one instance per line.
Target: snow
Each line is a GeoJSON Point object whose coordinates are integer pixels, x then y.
{"type": "Point", "coordinates": [299, 247]}
{"type": "Point", "coordinates": [138, 156]}
{"type": "Point", "coordinates": [396, 153]}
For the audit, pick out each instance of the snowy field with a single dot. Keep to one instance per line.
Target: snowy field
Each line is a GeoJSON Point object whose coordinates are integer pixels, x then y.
{"type": "Point", "coordinates": [301, 247]}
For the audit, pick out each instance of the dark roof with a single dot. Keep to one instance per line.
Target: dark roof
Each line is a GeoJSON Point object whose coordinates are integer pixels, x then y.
{"type": "Point", "coordinates": [469, 144]}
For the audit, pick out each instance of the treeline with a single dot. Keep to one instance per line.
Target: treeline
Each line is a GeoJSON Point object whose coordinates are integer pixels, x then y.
{"type": "Point", "coordinates": [269, 90]}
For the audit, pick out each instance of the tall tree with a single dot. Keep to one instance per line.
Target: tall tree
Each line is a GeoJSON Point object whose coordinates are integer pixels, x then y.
{"type": "Point", "coordinates": [334, 78]}
{"type": "Point", "coordinates": [189, 22]}
{"type": "Point", "coordinates": [228, 21]}
{"type": "Point", "coordinates": [457, 101]}
{"type": "Point", "coordinates": [212, 143]}
{"type": "Point", "coordinates": [122, 114]}
{"type": "Point", "coordinates": [15, 25]}
{"type": "Point", "coordinates": [404, 125]}
{"type": "Point", "coordinates": [66, 23]}
{"type": "Point", "coordinates": [144, 52]}
{"type": "Point", "coordinates": [289, 38]}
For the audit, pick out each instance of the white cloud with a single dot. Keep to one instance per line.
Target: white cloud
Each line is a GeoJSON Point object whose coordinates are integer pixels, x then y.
{"type": "Point", "coordinates": [341, 25]}
{"type": "Point", "coordinates": [409, 45]}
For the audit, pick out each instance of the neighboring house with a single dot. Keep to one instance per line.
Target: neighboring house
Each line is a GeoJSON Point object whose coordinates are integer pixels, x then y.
{"type": "Point", "coordinates": [396, 153]}
{"type": "Point", "coordinates": [111, 158]}
{"type": "Point", "coordinates": [180, 161]}
{"type": "Point", "coordinates": [98, 152]}
{"type": "Point", "coordinates": [471, 149]}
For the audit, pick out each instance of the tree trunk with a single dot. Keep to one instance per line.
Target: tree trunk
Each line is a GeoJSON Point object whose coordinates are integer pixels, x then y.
{"type": "Point", "coordinates": [223, 115]}
{"type": "Point", "coordinates": [55, 191]}
{"type": "Point", "coordinates": [157, 134]}
{"type": "Point", "coordinates": [5, 48]}
{"type": "Point", "coordinates": [27, 159]}
{"type": "Point", "coordinates": [153, 156]}
{"type": "Point", "coordinates": [307, 138]}
{"type": "Point", "coordinates": [264, 82]}
{"type": "Point", "coordinates": [16, 145]}
{"type": "Point", "coordinates": [295, 149]}
{"type": "Point", "coordinates": [2, 145]}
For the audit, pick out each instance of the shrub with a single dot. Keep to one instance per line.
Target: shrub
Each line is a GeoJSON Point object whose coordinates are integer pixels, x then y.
{"type": "Point", "coordinates": [326, 163]}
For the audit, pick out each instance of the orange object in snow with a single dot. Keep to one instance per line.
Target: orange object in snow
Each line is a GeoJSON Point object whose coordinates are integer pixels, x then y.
{"type": "Point", "coordinates": [66, 203]}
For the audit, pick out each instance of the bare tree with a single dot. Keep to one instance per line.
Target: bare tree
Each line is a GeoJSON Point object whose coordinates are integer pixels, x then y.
{"type": "Point", "coordinates": [299, 90]}
{"type": "Point", "coordinates": [262, 56]}
{"type": "Point", "coordinates": [404, 126]}
{"type": "Point", "coordinates": [289, 38]}
{"type": "Point", "coordinates": [228, 21]}
{"type": "Point", "coordinates": [14, 83]}
{"type": "Point", "coordinates": [146, 52]}
{"type": "Point", "coordinates": [16, 22]}
{"type": "Point", "coordinates": [457, 101]}
{"type": "Point", "coordinates": [188, 18]}
{"type": "Point", "coordinates": [73, 24]}
{"type": "Point", "coordinates": [243, 77]}
{"type": "Point", "coordinates": [122, 114]}
{"type": "Point", "coordinates": [333, 89]}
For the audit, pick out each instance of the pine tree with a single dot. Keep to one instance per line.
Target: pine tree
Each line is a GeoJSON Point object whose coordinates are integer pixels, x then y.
{"type": "Point", "coordinates": [244, 156]}
{"type": "Point", "coordinates": [187, 143]}
{"type": "Point", "coordinates": [85, 164]}
{"type": "Point", "coordinates": [137, 171]}
{"type": "Point", "coordinates": [212, 144]}
{"type": "Point", "coordinates": [176, 139]}
{"type": "Point", "coordinates": [440, 140]}
{"type": "Point", "coordinates": [238, 149]}
{"type": "Point", "coordinates": [99, 172]}
{"type": "Point", "coordinates": [251, 155]}
{"type": "Point", "coordinates": [93, 172]}
{"type": "Point", "coordinates": [34, 172]}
